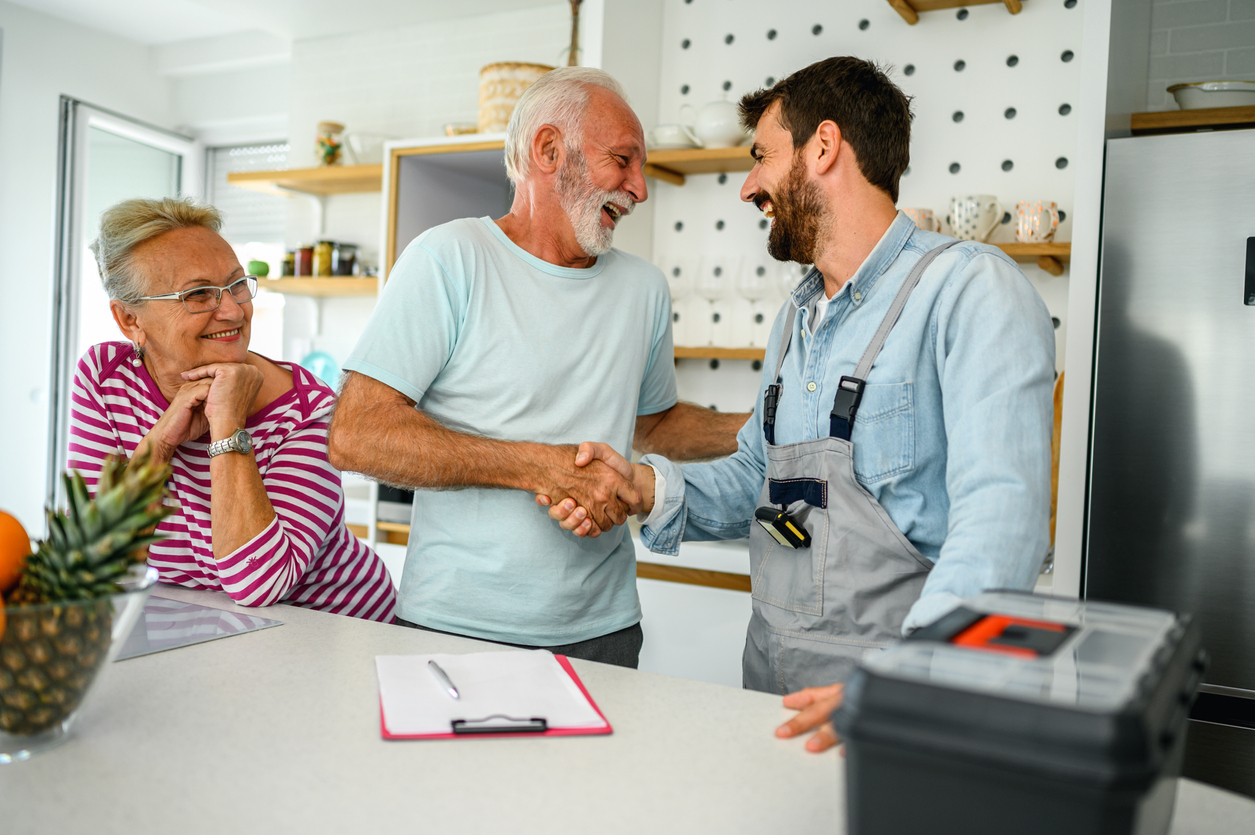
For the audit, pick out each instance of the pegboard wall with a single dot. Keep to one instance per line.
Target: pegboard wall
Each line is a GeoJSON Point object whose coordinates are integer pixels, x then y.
{"type": "Point", "coordinates": [994, 97]}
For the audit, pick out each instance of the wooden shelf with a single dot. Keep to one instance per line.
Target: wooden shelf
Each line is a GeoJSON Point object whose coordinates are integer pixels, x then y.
{"type": "Point", "coordinates": [1050, 257]}
{"type": "Point", "coordinates": [1185, 121]}
{"type": "Point", "coordinates": [672, 166]}
{"type": "Point", "coordinates": [321, 287]}
{"type": "Point", "coordinates": [333, 179]}
{"type": "Point", "coordinates": [910, 9]}
{"type": "Point", "coordinates": [703, 352]}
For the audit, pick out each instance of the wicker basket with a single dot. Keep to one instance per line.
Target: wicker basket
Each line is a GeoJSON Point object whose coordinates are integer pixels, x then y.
{"type": "Point", "coordinates": [500, 87]}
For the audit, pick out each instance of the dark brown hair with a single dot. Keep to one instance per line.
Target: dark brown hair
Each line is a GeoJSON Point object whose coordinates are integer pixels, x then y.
{"type": "Point", "coordinates": [873, 114]}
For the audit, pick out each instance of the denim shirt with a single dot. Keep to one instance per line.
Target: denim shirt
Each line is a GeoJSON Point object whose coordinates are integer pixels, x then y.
{"type": "Point", "coordinates": [953, 433]}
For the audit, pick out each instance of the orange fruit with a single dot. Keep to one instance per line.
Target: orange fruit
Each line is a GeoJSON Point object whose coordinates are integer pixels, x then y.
{"type": "Point", "coordinates": [15, 545]}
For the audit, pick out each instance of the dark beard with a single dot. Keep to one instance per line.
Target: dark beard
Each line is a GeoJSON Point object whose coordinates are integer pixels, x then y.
{"type": "Point", "coordinates": [799, 215]}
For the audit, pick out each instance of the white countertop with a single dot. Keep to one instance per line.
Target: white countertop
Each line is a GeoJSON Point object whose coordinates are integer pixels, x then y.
{"type": "Point", "coordinates": [278, 731]}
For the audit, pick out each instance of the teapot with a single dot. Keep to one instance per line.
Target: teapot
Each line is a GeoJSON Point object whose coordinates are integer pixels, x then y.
{"type": "Point", "coordinates": [717, 124]}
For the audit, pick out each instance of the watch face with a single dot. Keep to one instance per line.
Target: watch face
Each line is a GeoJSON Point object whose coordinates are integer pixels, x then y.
{"type": "Point", "coordinates": [243, 441]}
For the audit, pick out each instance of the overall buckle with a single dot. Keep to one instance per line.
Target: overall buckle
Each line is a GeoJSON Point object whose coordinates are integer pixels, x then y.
{"type": "Point", "coordinates": [845, 407]}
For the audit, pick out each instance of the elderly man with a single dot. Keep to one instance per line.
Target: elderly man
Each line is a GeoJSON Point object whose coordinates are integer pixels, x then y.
{"type": "Point", "coordinates": [899, 455]}
{"type": "Point", "coordinates": [495, 343]}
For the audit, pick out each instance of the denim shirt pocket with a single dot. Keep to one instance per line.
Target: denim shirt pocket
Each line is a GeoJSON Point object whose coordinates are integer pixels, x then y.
{"type": "Point", "coordinates": [884, 432]}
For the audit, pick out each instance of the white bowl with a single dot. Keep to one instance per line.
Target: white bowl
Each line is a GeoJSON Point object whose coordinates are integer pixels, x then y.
{"type": "Point", "coordinates": [1204, 94]}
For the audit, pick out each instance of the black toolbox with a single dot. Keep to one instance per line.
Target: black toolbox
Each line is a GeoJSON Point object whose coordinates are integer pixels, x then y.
{"type": "Point", "coordinates": [1020, 713]}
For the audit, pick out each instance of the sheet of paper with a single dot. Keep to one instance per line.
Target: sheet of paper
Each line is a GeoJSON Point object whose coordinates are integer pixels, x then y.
{"type": "Point", "coordinates": [517, 683]}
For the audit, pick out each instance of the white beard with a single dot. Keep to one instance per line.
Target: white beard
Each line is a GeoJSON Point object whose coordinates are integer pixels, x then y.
{"type": "Point", "coordinates": [582, 202]}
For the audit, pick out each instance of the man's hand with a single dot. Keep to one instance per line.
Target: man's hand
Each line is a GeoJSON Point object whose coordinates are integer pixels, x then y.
{"type": "Point", "coordinates": [593, 485]}
{"type": "Point", "coordinates": [816, 705]}
{"type": "Point", "coordinates": [575, 518]}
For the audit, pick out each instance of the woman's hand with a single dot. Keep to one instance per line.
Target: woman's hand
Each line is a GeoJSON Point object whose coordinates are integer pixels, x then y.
{"type": "Point", "coordinates": [233, 386]}
{"type": "Point", "coordinates": [182, 422]}
{"type": "Point", "coordinates": [816, 705]}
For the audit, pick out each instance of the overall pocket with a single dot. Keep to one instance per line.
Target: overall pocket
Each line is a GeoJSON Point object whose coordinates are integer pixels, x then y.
{"type": "Point", "coordinates": [792, 578]}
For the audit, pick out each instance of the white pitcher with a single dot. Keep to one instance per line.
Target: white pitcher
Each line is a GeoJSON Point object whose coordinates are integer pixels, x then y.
{"type": "Point", "coordinates": [717, 124]}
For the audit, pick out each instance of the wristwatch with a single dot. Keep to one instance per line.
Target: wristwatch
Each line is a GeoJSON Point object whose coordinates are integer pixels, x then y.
{"type": "Point", "coordinates": [237, 441]}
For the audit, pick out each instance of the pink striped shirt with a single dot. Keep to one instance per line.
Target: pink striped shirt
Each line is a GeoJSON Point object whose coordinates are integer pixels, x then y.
{"type": "Point", "coordinates": [306, 556]}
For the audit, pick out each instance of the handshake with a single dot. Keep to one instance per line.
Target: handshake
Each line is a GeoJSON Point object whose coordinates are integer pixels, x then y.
{"type": "Point", "coordinates": [596, 491]}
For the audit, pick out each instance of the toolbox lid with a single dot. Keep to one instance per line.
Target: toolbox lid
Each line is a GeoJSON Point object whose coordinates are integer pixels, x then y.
{"type": "Point", "coordinates": [1088, 655]}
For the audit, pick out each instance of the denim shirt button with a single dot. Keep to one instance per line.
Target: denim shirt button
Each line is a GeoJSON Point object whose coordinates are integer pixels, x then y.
{"type": "Point", "coordinates": [810, 386]}
{"type": "Point", "coordinates": [858, 297]}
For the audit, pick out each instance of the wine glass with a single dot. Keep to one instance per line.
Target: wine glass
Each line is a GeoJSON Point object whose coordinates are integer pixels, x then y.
{"type": "Point", "coordinates": [758, 286]}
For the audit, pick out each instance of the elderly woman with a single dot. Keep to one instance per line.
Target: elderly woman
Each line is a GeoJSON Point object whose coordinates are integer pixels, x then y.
{"type": "Point", "coordinates": [261, 510]}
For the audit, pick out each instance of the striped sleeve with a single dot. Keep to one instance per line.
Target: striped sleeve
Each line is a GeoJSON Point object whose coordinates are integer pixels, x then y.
{"type": "Point", "coordinates": [93, 435]}
{"type": "Point", "coordinates": [304, 490]}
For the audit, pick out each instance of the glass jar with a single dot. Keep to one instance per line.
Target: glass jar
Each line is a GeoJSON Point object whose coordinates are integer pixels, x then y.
{"type": "Point", "coordinates": [322, 257]}
{"type": "Point", "coordinates": [330, 142]}
{"type": "Point", "coordinates": [289, 264]}
{"type": "Point", "coordinates": [304, 260]}
{"type": "Point", "coordinates": [342, 259]}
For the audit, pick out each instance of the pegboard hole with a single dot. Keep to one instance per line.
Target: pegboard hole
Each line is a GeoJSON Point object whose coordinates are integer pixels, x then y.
{"type": "Point", "coordinates": [771, 81]}
{"type": "Point", "coordinates": [771, 34]}
{"type": "Point", "coordinates": [1062, 215]}
{"type": "Point", "coordinates": [675, 317]}
{"type": "Point", "coordinates": [961, 14]}
{"type": "Point", "coordinates": [719, 226]}
{"type": "Point", "coordinates": [907, 171]}
{"type": "Point", "coordinates": [955, 168]}
{"type": "Point", "coordinates": [764, 223]}
{"type": "Point", "coordinates": [714, 317]}
{"type": "Point", "coordinates": [714, 364]}
{"type": "Point", "coordinates": [760, 271]}
{"type": "Point", "coordinates": [958, 116]}
{"type": "Point", "coordinates": [729, 38]}
{"type": "Point", "coordinates": [1056, 321]}
{"type": "Point", "coordinates": [909, 69]}
{"type": "Point", "coordinates": [684, 89]}
{"type": "Point", "coordinates": [679, 225]}
{"type": "Point", "coordinates": [718, 272]}
{"type": "Point", "coordinates": [817, 29]}
{"type": "Point", "coordinates": [1069, 4]}
{"type": "Point", "coordinates": [1009, 113]}
{"type": "Point", "coordinates": [757, 365]}
{"type": "Point", "coordinates": [960, 65]}
{"type": "Point", "coordinates": [727, 85]}
{"type": "Point", "coordinates": [675, 271]}
{"type": "Point", "coordinates": [1007, 165]}
{"type": "Point", "coordinates": [1067, 56]}
{"type": "Point", "coordinates": [1006, 218]}
{"type": "Point", "coordinates": [864, 24]}
{"type": "Point", "coordinates": [1065, 109]}
{"type": "Point", "coordinates": [1061, 163]}
{"type": "Point", "coordinates": [685, 44]}
{"type": "Point", "coordinates": [1012, 60]}
{"type": "Point", "coordinates": [758, 319]}
{"type": "Point", "coordinates": [723, 178]}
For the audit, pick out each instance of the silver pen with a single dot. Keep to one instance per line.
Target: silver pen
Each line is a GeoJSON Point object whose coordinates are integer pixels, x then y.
{"type": "Point", "coordinates": [443, 678]}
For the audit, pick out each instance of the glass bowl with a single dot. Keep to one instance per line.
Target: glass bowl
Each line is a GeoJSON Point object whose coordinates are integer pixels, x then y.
{"type": "Point", "coordinates": [50, 655]}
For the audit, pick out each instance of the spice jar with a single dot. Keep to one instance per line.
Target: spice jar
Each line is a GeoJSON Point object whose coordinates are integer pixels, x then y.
{"type": "Point", "coordinates": [342, 259]}
{"type": "Point", "coordinates": [330, 143]}
{"type": "Point", "coordinates": [322, 257]}
{"type": "Point", "coordinates": [289, 264]}
{"type": "Point", "coordinates": [304, 260]}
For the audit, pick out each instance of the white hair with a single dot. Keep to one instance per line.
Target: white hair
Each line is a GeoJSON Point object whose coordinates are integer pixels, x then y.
{"type": "Point", "coordinates": [558, 98]}
{"type": "Point", "coordinates": [126, 225]}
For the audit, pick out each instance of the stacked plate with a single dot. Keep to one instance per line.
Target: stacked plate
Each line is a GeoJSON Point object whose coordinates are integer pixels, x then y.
{"type": "Point", "coordinates": [1205, 94]}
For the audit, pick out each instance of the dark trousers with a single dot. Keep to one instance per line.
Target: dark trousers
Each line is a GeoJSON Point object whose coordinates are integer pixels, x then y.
{"type": "Point", "coordinates": [622, 648]}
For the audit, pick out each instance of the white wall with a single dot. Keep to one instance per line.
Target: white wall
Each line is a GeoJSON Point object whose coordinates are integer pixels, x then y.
{"type": "Point", "coordinates": [44, 57]}
{"type": "Point", "coordinates": [1198, 40]}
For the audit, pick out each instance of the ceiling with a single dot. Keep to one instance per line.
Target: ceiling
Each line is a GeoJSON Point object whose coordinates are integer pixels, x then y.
{"type": "Point", "coordinates": [167, 21]}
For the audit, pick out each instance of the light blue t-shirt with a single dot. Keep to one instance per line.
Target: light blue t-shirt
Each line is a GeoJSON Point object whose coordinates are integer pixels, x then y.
{"type": "Point", "coordinates": [492, 341]}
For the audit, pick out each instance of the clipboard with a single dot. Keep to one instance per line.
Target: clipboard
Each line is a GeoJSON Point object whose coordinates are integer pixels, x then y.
{"type": "Point", "coordinates": [485, 722]}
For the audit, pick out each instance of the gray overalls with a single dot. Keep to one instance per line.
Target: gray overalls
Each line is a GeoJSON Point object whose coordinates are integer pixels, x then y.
{"type": "Point", "coordinates": [817, 610]}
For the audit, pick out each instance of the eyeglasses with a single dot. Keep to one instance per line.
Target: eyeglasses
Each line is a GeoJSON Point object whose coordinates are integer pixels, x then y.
{"type": "Point", "coordinates": [205, 299]}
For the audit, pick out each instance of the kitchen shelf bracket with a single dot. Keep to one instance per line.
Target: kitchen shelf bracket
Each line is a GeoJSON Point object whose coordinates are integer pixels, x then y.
{"type": "Point", "coordinates": [910, 9]}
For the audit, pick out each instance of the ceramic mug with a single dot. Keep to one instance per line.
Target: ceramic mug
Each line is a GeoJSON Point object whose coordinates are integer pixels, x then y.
{"type": "Point", "coordinates": [973, 217]}
{"type": "Point", "coordinates": [672, 136]}
{"type": "Point", "coordinates": [1036, 221]}
{"type": "Point", "coordinates": [924, 219]}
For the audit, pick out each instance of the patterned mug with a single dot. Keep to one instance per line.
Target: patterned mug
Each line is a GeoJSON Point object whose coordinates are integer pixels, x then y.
{"type": "Point", "coordinates": [924, 219]}
{"type": "Point", "coordinates": [1036, 221]}
{"type": "Point", "coordinates": [973, 217]}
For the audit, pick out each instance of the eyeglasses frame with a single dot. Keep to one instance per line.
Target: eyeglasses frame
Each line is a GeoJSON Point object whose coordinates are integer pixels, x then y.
{"type": "Point", "coordinates": [182, 294]}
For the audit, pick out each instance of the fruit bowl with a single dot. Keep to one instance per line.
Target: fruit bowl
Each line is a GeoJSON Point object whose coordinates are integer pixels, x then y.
{"type": "Point", "coordinates": [50, 655]}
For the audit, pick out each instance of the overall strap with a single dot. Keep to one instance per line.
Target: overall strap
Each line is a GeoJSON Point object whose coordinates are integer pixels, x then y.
{"type": "Point", "coordinates": [850, 389]}
{"type": "Point", "coordinates": [771, 397]}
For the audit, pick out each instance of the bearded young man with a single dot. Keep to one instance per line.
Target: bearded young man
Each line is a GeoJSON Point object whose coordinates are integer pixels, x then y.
{"type": "Point", "coordinates": [495, 343]}
{"type": "Point", "coordinates": [898, 458]}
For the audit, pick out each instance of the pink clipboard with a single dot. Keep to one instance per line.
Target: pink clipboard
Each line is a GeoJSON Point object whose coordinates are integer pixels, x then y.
{"type": "Point", "coordinates": [566, 665]}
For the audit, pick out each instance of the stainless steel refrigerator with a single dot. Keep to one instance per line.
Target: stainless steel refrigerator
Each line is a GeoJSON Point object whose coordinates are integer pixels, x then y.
{"type": "Point", "coordinates": [1171, 510]}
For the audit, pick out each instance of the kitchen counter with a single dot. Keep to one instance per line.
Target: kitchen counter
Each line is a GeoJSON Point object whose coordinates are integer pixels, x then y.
{"type": "Point", "coordinates": [278, 731]}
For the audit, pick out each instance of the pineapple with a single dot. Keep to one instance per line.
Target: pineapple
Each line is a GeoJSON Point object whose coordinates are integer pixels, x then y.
{"type": "Point", "coordinates": [49, 654]}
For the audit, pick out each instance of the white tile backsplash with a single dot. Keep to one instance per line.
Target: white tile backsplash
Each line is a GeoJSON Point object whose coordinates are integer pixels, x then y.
{"type": "Point", "coordinates": [1199, 40]}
